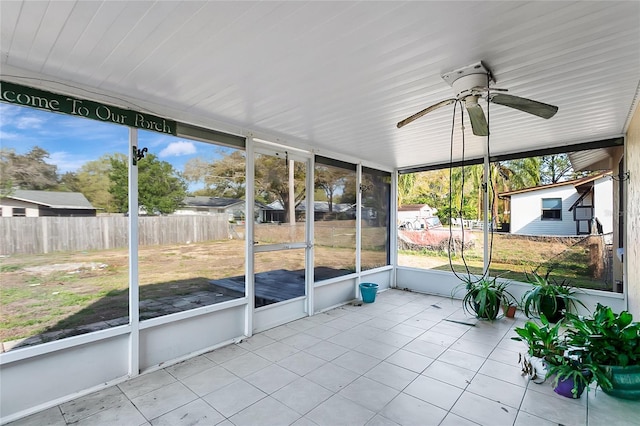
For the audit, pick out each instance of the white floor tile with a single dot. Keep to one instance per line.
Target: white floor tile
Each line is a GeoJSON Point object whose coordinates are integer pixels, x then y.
{"type": "Point", "coordinates": [276, 351]}
{"type": "Point", "coordinates": [332, 377]}
{"type": "Point", "coordinates": [340, 411]}
{"type": "Point", "coordinates": [357, 362]}
{"type": "Point", "coordinates": [271, 378]}
{"type": "Point", "coordinates": [369, 393]}
{"type": "Point", "coordinates": [225, 353]}
{"type": "Point", "coordinates": [434, 392]}
{"type": "Point", "coordinates": [146, 383]}
{"type": "Point", "coordinates": [502, 371]}
{"type": "Point", "coordinates": [90, 404]}
{"type": "Point", "coordinates": [197, 412]}
{"type": "Point", "coordinates": [379, 420]}
{"type": "Point", "coordinates": [301, 363]}
{"type": "Point", "coordinates": [190, 367]}
{"type": "Point", "coordinates": [49, 417]}
{"type": "Point", "coordinates": [326, 350]}
{"type": "Point", "coordinates": [410, 360]}
{"type": "Point", "coordinates": [366, 375]}
{"type": "Point", "coordinates": [391, 375]}
{"type": "Point", "coordinates": [407, 410]}
{"type": "Point", "coordinates": [428, 349]}
{"type": "Point", "coordinates": [163, 400]}
{"type": "Point", "coordinates": [256, 342]}
{"type": "Point", "coordinates": [376, 349]}
{"type": "Point", "coordinates": [209, 380]}
{"type": "Point", "coordinates": [605, 410]}
{"type": "Point", "coordinates": [455, 420]}
{"type": "Point", "coordinates": [526, 419]}
{"type": "Point", "coordinates": [497, 390]}
{"type": "Point", "coordinates": [483, 411]}
{"type": "Point", "coordinates": [471, 347]}
{"type": "Point", "coordinates": [322, 332]}
{"type": "Point", "coordinates": [448, 373]}
{"type": "Point", "coordinates": [554, 408]}
{"type": "Point", "coordinates": [234, 398]}
{"type": "Point", "coordinates": [462, 359]}
{"type": "Point", "coordinates": [246, 364]}
{"type": "Point", "coordinates": [302, 395]}
{"type": "Point", "coordinates": [125, 414]}
{"type": "Point", "coordinates": [266, 412]}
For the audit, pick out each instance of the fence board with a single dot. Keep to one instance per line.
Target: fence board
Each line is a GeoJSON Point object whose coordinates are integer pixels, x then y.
{"type": "Point", "coordinates": [36, 235]}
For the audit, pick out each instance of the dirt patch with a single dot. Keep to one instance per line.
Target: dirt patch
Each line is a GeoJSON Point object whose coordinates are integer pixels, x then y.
{"type": "Point", "coordinates": [69, 268]}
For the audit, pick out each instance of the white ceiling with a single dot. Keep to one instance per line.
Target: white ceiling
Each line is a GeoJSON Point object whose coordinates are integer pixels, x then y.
{"type": "Point", "coordinates": [338, 76]}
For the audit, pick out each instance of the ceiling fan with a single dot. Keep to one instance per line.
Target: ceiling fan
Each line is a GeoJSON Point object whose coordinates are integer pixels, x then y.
{"type": "Point", "coordinates": [470, 84]}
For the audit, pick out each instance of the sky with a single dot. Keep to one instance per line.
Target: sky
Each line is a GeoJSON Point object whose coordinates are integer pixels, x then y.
{"type": "Point", "coordinates": [73, 141]}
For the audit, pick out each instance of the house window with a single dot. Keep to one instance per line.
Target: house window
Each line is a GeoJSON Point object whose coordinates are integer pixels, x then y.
{"type": "Point", "coordinates": [552, 209]}
{"type": "Point", "coordinates": [19, 212]}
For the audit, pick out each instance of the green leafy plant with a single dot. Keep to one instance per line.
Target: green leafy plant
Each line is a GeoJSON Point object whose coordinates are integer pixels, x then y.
{"type": "Point", "coordinates": [605, 338]}
{"type": "Point", "coordinates": [580, 373]}
{"type": "Point", "coordinates": [484, 296]}
{"type": "Point", "coordinates": [549, 297]}
{"type": "Point", "coordinates": [542, 339]}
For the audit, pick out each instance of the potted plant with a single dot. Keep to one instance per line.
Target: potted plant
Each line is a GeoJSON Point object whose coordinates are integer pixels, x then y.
{"type": "Point", "coordinates": [549, 296]}
{"type": "Point", "coordinates": [552, 355]}
{"type": "Point", "coordinates": [484, 296]}
{"type": "Point", "coordinates": [611, 342]}
{"type": "Point", "coordinates": [571, 376]}
{"type": "Point", "coordinates": [509, 308]}
{"type": "Point", "coordinates": [543, 342]}
{"type": "Point", "coordinates": [542, 339]}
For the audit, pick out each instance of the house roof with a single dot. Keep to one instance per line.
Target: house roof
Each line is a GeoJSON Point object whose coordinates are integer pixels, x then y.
{"type": "Point", "coordinates": [334, 78]}
{"type": "Point", "coordinates": [55, 200]}
{"type": "Point", "coordinates": [575, 182]}
{"type": "Point", "coordinates": [413, 207]}
{"type": "Point", "coordinates": [214, 202]}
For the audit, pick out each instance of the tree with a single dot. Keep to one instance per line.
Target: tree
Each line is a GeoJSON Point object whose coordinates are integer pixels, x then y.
{"type": "Point", "coordinates": [94, 182]}
{"type": "Point", "coordinates": [161, 189]}
{"type": "Point", "coordinates": [555, 168]}
{"type": "Point", "coordinates": [28, 171]}
{"type": "Point", "coordinates": [272, 182]}
{"type": "Point", "coordinates": [222, 178]}
{"type": "Point", "coordinates": [330, 180]}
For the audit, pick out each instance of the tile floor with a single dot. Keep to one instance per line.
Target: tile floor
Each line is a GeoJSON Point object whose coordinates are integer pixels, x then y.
{"type": "Point", "coordinates": [403, 360]}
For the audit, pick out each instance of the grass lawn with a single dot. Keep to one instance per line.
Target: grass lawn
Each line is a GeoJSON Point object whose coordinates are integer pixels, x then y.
{"type": "Point", "coordinates": [513, 257]}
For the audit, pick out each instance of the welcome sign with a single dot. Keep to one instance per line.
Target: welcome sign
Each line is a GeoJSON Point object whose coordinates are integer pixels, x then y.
{"type": "Point", "coordinates": [41, 99]}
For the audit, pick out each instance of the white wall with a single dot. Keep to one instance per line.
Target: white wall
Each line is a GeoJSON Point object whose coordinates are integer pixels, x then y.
{"type": "Point", "coordinates": [31, 210]}
{"type": "Point", "coordinates": [603, 204]}
{"type": "Point", "coordinates": [526, 212]}
{"type": "Point", "coordinates": [632, 216]}
{"type": "Point", "coordinates": [443, 283]}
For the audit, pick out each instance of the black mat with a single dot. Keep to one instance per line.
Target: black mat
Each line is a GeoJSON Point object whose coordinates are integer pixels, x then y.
{"type": "Point", "coordinates": [277, 286]}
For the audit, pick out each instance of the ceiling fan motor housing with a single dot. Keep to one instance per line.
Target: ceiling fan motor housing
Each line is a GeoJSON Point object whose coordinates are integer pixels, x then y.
{"type": "Point", "coordinates": [465, 80]}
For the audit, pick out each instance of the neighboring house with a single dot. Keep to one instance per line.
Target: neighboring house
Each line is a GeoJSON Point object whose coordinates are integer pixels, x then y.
{"type": "Point", "coordinates": [575, 207]}
{"type": "Point", "coordinates": [339, 211]}
{"type": "Point", "coordinates": [410, 213]}
{"type": "Point", "coordinates": [203, 205]}
{"type": "Point", "coordinates": [29, 203]}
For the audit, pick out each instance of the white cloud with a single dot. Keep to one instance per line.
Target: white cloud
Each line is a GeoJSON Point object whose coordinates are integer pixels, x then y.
{"type": "Point", "coordinates": [176, 149]}
{"type": "Point", "coordinates": [66, 161]}
{"type": "Point", "coordinates": [28, 122]}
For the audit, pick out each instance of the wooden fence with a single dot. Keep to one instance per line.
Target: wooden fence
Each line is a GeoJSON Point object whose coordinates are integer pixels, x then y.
{"type": "Point", "coordinates": [35, 235]}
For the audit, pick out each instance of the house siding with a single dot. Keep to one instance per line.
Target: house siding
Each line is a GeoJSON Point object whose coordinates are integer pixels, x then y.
{"type": "Point", "coordinates": [603, 206]}
{"type": "Point", "coordinates": [7, 205]}
{"type": "Point", "coordinates": [526, 212]}
{"type": "Point", "coordinates": [632, 217]}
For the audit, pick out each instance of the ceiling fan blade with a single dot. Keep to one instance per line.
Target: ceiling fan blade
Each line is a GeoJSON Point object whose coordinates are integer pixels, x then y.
{"type": "Point", "coordinates": [424, 112]}
{"type": "Point", "coordinates": [527, 105]}
{"type": "Point", "coordinates": [478, 121]}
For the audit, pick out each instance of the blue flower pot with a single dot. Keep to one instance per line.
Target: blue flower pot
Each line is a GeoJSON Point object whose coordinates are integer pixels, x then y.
{"type": "Point", "coordinates": [368, 291]}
